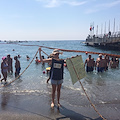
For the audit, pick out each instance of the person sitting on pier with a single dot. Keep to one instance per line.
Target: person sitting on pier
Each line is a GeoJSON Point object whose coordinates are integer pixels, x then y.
{"type": "Point", "coordinates": [90, 64]}
{"type": "Point", "coordinates": [100, 64]}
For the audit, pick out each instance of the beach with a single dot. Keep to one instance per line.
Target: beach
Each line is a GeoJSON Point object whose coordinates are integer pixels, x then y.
{"type": "Point", "coordinates": [29, 107]}
{"type": "Point", "coordinates": [29, 97]}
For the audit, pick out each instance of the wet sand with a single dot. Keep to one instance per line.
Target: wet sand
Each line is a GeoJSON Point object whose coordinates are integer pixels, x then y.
{"type": "Point", "coordinates": [31, 107]}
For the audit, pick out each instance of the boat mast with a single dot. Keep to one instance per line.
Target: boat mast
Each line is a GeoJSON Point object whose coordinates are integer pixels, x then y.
{"type": "Point", "coordinates": [90, 29]}
{"type": "Point", "coordinates": [97, 31]}
{"type": "Point", "coordinates": [105, 28]}
{"type": "Point", "coordinates": [93, 28]}
{"type": "Point", "coordinates": [109, 27]}
{"type": "Point", "coordinates": [114, 26]}
{"type": "Point", "coordinates": [101, 29]}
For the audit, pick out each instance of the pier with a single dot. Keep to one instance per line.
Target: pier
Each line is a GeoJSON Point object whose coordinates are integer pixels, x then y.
{"type": "Point", "coordinates": [106, 41]}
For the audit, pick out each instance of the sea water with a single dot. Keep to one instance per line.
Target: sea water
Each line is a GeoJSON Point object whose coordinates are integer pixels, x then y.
{"type": "Point", "coordinates": [102, 88]}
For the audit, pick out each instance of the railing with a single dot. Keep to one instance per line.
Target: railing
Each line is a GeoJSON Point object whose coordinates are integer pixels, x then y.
{"type": "Point", "coordinates": [106, 38]}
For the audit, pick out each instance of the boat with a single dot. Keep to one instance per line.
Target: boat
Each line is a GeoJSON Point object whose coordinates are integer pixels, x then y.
{"type": "Point", "coordinates": [110, 40]}
{"type": "Point", "coordinates": [106, 41]}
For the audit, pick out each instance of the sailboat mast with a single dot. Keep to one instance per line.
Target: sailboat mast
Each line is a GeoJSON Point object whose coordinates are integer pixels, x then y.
{"type": "Point", "coordinates": [114, 26]}
{"type": "Point", "coordinates": [109, 27]}
{"type": "Point", "coordinates": [97, 31]}
{"type": "Point", "coordinates": [93, 28]}
{"type": "Point", "coordinates": [105, 28]}
{"type": "Point", "coordinates": [101, 29]}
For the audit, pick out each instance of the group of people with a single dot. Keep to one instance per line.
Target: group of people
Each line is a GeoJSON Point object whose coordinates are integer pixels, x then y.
{"type": "Point", "coordinates": [102, 64]}
{"type": "Point", "coordinates": [38, 61]}
{"type": "Point", "coordinates": [57, 68]}
{"type": "Point", "coordinates": [7, 67]}
{"type": "Point", "coordinates": [56, 71]}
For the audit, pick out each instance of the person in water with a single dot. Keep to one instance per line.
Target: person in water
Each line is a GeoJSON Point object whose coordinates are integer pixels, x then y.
{"type": "Point", "coordinates": [9, 61]}
{"type": "Point", "coordinates": [56, 76]}
{"type": "Point", "coordinates": [113, 63]}
{"type": "Point", "coordinates": [4, 69]}
{"type": "Point", "coordinates": [17, 66]}
{"type": "Point", "coordinates": [19, 56]}
{"type": "Point", "coordinates": [37, 60]}
{"type": "Point", "coordinates": [27, 57]}
{"type": "Point", "coordinates": [117, 60]}
{"type": "Point", "coordinates": [100, 63]}
{"type": "Point", "coordinates": [90, 64]}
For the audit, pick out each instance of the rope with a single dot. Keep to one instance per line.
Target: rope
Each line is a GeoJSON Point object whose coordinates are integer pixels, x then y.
{"type": "Point", "coordinates": [111, 55]}
{"type": "Point", "coordinates": [86, 93]}
{"type": "Point", "coordinates": [44, 52]}
{"type": "Point", "coordinates": [21, 73]}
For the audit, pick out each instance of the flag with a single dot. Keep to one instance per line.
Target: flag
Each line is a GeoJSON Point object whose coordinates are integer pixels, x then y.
{"type": "Point", "coordinates": [76, 68]}
{"type": "Point", "coordinates": [90, 28]}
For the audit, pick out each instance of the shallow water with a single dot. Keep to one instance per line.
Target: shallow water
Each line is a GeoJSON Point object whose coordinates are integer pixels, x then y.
{"type": "Point", "coordinates": [102, 88]}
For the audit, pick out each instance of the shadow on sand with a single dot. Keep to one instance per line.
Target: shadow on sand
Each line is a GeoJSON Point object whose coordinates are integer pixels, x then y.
{"type": "Point", "coordinates": [69, 114]}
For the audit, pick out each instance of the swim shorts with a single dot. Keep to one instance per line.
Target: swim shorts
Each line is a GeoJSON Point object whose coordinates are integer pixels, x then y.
{"type": "Point", "coordinates": [89, 69]}
{"type": "Point", "coordinates": [100, 69]}
{"type": "Point", "coordinates": [18, 70]}
{"type": "Point", "coordinates": [56, 82]}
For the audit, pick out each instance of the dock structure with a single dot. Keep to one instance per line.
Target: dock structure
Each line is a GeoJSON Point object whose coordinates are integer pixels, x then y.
{"type": "Point", "coordinates": [107, 41]}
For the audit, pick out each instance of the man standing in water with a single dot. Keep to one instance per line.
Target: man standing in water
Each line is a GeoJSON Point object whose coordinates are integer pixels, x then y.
{"type": "Point", "coordinates": [9, 61]}
{"type": "Point", "coordinates": [17, 66]}
{"type": "Point", "coordinates": [90, 64]}
{"type": "Point", "coordinates": [100, 63]}
{"type": "Point", "coordinates": [106, 62]}
{"type": "Point", "coordinates": [56, 74]}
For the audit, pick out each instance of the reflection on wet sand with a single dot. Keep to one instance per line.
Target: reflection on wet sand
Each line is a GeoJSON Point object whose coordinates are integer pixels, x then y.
{"type": "Point", "coordinates": [4, 100]}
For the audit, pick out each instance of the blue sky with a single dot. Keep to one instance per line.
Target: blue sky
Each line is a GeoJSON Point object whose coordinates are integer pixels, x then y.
{"type": "Point", "coordinates": [55, 19]}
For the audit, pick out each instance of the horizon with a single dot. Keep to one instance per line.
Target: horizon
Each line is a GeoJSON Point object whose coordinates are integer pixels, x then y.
{"type": "Point", "coordinates": [42, 20]}
{"type": "Point", "coordinates": [35, 40]}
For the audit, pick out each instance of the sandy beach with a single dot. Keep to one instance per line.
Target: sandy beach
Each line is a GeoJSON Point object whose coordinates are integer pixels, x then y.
{"type": "Point", "coordinates": [29, 107]}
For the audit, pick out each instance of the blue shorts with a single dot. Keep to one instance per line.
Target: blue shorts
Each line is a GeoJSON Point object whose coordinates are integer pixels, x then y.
{"type": "Point", "coordinates": [18, 71]}
{"type": "Point", "coordinates": [89, 69]}
{"type": "Point", "coordinates": [100, 69]}
{"type": "Point", "coordinates": [56, 82]}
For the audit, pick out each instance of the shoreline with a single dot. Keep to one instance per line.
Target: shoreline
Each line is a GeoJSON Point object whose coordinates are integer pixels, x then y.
{"type": "Point", "coordinates": [29, 97]}
{"type": "Point", "coordinates": [31, 107]}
